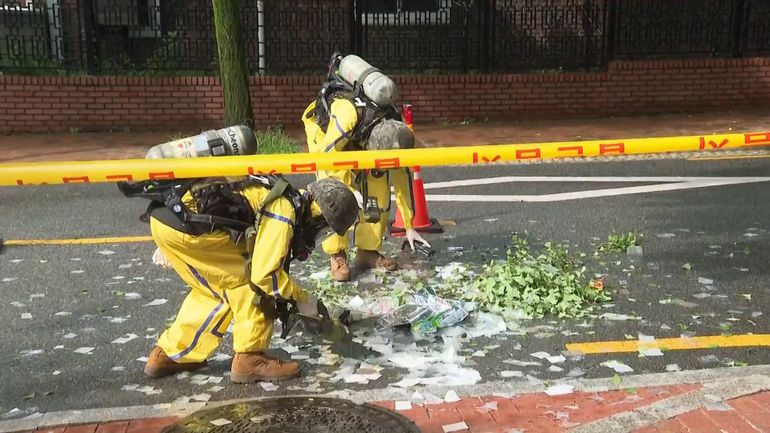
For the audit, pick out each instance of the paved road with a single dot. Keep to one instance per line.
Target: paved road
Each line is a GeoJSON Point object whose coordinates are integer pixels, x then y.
{"type": "Point", "coordinates": [61, 300]}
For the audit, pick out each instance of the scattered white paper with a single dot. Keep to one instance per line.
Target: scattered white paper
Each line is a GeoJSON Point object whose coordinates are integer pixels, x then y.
{"type": "Point", "coordinates": [511, 373]}
{"type": "Point", "coordinates": [26, 316]}
{"type": "Point", "coordinates": [220, 422]}
{"type": "Point", "coordinates": [201, 397]}
{"type": "Point", "coordinates": [650, 352]}
{"type": "Point", "coordinates": [156, 302]}
{"type": "Point", "coordinates": [70, 335]}
{"type": "Point", "coordinates": [673, 367]}
{"type": "Point", "coordinates": [560, 389]}
{"type": "Point", "coordinates": [455, 427]}
{"type": "Point", "coordinates": [269, 387]}
{"type": "Point", "coordinates": [124, 340]}
{"type": "Point", "coordinates": [451, 396]}
{"type": "Point", "coordinates": [555, 369]}
{"type": "Point", "coordinates": [540, 355]}
{"type": "Point", "coordinates": [619, 367]}
{"type": "Point", "coordinates": [105, 252]}
{"type": "Point", "coordinates": [84, 350]}
{"type": "Point", "coordinates": [18, 304]}
{"type": "Point", "coordinates": [132, 295]}
{"type": "Point", "coordinates": [403, 405]}
{"type": "Point", "coordinates": [556, 359]}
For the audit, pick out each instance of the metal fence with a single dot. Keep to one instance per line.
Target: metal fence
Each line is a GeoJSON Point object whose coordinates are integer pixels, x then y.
{"type": "Point", "coordinates": [421, 36]}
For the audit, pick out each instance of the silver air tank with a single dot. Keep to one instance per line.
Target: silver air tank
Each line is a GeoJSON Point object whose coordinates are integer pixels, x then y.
{"type": "Point", "coordinates": [231, 141]}
{"type": "Point", "coordinates": [377, 86]}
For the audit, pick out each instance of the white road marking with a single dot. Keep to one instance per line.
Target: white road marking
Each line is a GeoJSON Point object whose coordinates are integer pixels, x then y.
{"type": "Point", "coordinates": [664, 183]}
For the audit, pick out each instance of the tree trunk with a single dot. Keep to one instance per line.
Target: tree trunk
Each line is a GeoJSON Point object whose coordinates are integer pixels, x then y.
{"type": "Point", "coordinates": [232, 63]}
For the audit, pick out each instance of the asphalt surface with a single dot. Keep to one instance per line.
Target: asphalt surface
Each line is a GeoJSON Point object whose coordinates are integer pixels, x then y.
{"type": "Point", "coordinates": [58, 300]}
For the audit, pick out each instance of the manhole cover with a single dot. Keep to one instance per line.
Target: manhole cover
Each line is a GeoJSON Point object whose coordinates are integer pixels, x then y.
{"type": "Point", "coordinates": [295, 415]}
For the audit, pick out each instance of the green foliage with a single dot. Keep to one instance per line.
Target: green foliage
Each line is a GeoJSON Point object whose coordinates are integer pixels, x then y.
{"type": "Point", "coordinates": [551, 282]}
{"type": "Point", "coordinates": [619, 242]}
{"type": "Point", "coordinates": [274, 140]}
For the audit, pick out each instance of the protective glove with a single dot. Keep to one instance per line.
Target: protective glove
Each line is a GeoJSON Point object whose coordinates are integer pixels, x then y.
{"type": "Point", "coordinates": [160, 259]}
{"type": "Point", "coordinates": [309, 307]}
{"type": "Point", "coordinates": [412, 235]}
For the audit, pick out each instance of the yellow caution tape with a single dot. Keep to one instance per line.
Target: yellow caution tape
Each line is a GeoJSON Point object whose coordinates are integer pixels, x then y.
{"type": "Point", "coordinates": [142, 169]}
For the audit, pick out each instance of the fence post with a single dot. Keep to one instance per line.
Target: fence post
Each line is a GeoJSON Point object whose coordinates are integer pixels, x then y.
{"type": "Point", "coordinates": [737, 26]}
{"type": "Point", "coordinates": [486, 14]}
{"type": "Point", "coordinates": [588, 33]}
{"type": "Point", "coordinates": [610, 27]}
{"type": "Point", "coordinates": [352, 22]}
{"type": "Point", "coordinates": [89, 31]}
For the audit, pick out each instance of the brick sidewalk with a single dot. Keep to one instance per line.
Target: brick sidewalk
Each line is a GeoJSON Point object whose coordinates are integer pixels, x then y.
{"type": "Point", "coordinates": [134, 144]}
{"type": "Point", "coordinates": [538, 413]}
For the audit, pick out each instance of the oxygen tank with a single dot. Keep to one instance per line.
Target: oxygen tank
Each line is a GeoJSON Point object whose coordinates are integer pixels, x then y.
{"type": "Point", "coordinates": [377, 86]}
{"type": "Point", "coordinates": [234, 140]}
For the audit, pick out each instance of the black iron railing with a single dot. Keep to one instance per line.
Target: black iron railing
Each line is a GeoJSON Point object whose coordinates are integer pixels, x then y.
{"type": "Point", "coordinates": [421, 36]}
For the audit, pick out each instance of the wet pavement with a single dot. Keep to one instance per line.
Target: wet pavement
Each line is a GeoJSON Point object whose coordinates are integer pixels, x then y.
{"type": "Point", "coordinates": [80, 318]}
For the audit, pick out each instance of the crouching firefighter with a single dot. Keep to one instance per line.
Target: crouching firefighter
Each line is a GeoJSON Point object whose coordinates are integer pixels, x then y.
{"type": "Point", "coordinates": [206, 228]}
{"type": "Point", "coordinates": [355, 111]}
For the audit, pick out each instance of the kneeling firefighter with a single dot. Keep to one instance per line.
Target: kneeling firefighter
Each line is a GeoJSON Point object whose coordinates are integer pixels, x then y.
{"type": "Point", "coordinates": [205, 228]}
{"type": "Point", "coordinates": [355, 111]}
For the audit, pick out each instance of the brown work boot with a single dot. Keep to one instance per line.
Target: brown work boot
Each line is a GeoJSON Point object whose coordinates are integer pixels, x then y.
{"type": "Point", "coordinates": [366, 259]}
{"type": "Point", "coordinates": [251, 367]}
{"type": "Point", "coordinates": [340, 269]}
{"type": "Point", "coordinates": [160, 365]}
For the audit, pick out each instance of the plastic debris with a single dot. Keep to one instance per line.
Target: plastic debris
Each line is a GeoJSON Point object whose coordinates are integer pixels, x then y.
{"type": "Point", "coordinates": [426, 313]}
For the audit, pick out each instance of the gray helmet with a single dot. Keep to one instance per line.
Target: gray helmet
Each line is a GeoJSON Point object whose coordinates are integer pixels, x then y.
{"type": "Point", "coordinates": [390, 134]}
{"type": "Point", "coordinates": [337, 203]}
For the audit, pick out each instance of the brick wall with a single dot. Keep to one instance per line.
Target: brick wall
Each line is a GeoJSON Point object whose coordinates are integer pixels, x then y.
{"type": "Point", "coordinates": [38, 104]}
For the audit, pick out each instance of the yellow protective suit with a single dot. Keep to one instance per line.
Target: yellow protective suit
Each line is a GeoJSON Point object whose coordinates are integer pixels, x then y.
{"type": "Point", "coordinates": [343, 119]}
{"type": "Point", "coordinates": [214, 268]}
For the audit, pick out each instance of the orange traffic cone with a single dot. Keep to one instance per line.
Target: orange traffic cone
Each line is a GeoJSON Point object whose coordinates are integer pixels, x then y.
{"type": "Point", "coordinates": [421, 222]}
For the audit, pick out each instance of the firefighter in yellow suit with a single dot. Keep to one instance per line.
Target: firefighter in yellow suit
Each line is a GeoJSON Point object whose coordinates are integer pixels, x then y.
{"type": "Point", "coordinates": [343, 120]}
{"type": "Point", "coordinates": [213, 265]}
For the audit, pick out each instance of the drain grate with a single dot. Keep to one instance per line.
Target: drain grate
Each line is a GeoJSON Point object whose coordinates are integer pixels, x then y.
{"type": "Point", "coordinates": [295, 415]}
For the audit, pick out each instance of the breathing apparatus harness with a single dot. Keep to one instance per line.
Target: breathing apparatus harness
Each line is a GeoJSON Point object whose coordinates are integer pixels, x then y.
{"type": "Point", "coordinates": [220, 206]}
{"type": "Point", "coordinates": [369, 113]}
